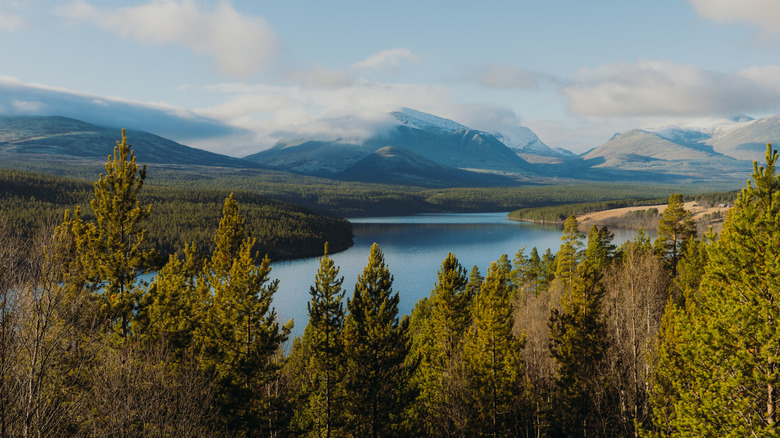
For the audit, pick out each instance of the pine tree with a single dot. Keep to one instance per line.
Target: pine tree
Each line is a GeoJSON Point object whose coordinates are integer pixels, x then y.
{"type": "Point", "coordinates": [375, 342]}
{"type": "Point", "coordinates": [675, 229]}
{"type": "Point", "coordinates": [437, 347]}
{"type": "Point", "coordinates": [475, 282]}
{"type": "Point", "coordinates": [570, 252]}
{"type": "Point", "coordinates": [493, 357]}
{"type": "Point", "coordinates": [325, 346]}
{"type": "Point", "coordinates": [578, 342]}
{"type": "Point", "coordinates": [717, 372]}
{"type": "Point", "coordinates": [172, 310]}
{"type": "Point", "coordinates": [117, 253]}
{"type": "Point", "coordinates": [241, 334]}
{"type": "Point", "coordinates": [549, 264]}
{"type": "Point", "coordinates": [600, 250]}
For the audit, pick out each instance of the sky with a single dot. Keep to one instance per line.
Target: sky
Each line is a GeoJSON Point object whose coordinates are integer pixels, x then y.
{"type": "Point", "coordinates": [236, 76]}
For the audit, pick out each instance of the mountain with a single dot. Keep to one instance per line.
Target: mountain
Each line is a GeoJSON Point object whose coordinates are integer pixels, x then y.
{"type": "Point", "coordinates": [440, 142]}
{"type": "Point", "coordinates": [529, 147]}
{"type": "Point", "coordinates": [674, 157]}
{"type": "Point", "coordinates": [391, 165]}
{"type": "Point", "coordinates": [62, 138]}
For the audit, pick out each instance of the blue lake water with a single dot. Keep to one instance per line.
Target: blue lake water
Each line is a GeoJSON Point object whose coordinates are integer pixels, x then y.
{"type": "Point", "coordinates": [414, 247]}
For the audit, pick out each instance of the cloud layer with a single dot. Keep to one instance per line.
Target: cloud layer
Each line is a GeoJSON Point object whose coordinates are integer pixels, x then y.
{"type": "Point", "coordinates": [239, 45]}
{"type": "Point", "coordinates": [760, 13]}
{"type": "Point", "coordinates": [17, 98]}
{"type": "Point", "coordinates": [662, 88]}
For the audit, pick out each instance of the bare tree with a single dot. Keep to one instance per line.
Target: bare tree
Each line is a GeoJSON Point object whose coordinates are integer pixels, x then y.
{"type": "Point", "coordinates": [635, 301]}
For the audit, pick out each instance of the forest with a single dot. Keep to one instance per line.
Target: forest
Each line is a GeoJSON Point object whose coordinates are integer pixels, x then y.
{"type": "Point", "coordinates": [671, 337]}
{"type": "Point", "coordinates": [181, 216]}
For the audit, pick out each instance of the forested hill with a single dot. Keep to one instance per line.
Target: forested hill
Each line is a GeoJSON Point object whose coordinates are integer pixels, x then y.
{"type": "Point", "coordinates": [179, 216]}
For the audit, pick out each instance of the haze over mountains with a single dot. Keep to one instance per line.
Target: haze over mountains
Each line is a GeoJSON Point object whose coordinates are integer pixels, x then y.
{"type": "Point", "coordinates": [422, 149]}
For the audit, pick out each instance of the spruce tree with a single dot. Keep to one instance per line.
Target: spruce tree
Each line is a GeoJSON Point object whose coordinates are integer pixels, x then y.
{"type": "Point", "coordinates": [117, 252]}
{"type": "Point", "coordinates": [493, 358]}
{"type": "Point", "coordinates": [375, 342]}
{"type": "Point", "coordinates": [324, 344]}
{"type": "Point", "coordinates": [717, 372]}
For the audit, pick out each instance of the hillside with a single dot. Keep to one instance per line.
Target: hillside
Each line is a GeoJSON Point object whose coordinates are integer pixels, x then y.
{"type": "Point", "coordinates": [62, 138]}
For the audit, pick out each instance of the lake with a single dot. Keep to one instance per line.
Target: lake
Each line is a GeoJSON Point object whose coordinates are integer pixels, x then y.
{"type": "Point", "coordinates": [414, 247]}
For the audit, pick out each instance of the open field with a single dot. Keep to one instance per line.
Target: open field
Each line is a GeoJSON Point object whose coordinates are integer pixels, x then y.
{"type": "Point", "coordinates": [638, 217]}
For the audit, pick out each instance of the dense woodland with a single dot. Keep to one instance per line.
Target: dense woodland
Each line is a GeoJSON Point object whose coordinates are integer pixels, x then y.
{"type": "Point", "coordinates": [350, 199]}
{"type": "Point", "coordinates": [674, 337]}
{"type": "Point", "coordinates": [181, 216]}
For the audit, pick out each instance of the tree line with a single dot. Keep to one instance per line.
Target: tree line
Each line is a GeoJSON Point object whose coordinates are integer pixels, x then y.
{"type": "Point", "coordinates": [672, 337]}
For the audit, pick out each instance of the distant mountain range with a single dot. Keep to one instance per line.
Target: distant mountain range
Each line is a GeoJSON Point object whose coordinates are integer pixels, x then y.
{"type": "Point", "coordinates": [422, 149]}
{"type": "Point", "coordinates": [62, 138]}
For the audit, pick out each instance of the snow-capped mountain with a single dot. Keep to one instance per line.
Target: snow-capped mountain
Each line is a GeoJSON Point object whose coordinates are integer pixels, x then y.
{"type": "Point", "coordinates": [432, 140]}
{"type": "Point", "coordinates": [425, 121]}
{"type": "Point", "coordinates": [524, 141]}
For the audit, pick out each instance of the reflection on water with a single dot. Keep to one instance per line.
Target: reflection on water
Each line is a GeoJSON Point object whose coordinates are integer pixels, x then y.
{"type": "Point", "coordinates": [414, 247]}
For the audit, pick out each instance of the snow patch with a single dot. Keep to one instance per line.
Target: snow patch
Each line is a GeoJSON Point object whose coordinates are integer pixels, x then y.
{"type": "Point", "coordinates": [425, 121]}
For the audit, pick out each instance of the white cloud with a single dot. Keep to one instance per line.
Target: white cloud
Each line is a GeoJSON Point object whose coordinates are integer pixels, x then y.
{"type": "Point", "coordinates": [239, 44]}
{"type": "Point", "coordinates": [159, 118]}
{"type": "Point", "coordinates": [11, 22]}
{"type": "Point", "coordinates": [760, 13]}
{"type": "Point", "coordinates": [349, 112]}
{"type": "Point", "coordinates": [387, 60]}
{"type": "Point", "coordinates": [661, 88]}
{"type": "Point", "coordinates": [28, 106]}
{"type": "Point", "coordinates": [11, 19]}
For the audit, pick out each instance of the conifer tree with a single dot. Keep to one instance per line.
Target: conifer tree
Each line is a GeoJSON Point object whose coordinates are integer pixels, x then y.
{"type": "Point", "coordinates": [675, 229]}
{"type": "Point", "coordinates": [569, 254]}
{"type": "Point", "coordinates": [475, 282]}
{"type": "Point", "coordinates": [117, 253]}
{"type": "Point", "coordinates": [172, 310]}
{"type": "Point", "coordinates": [241, 334]}
{"type": "Point", "coordinates": [534, 272]}
{"type": "Point", "coordinates": [493, 357]}
{"type": "Point", "coordinates": [375, 342]}
{"type": "Point", "coordinates": [578, 342]}
{"type": "Point", "coordinates": [437, 347]}
{"type": "Point", "coordinates": [549, 264]}
{"type": "Point", "coordinates": [717, 372]}
{"type": "Point", "coordinates": [325, 346]}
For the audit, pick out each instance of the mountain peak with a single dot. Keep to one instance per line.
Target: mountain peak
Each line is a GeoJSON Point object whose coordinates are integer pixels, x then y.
{"type": "Point", "coordinates": [425, 121]}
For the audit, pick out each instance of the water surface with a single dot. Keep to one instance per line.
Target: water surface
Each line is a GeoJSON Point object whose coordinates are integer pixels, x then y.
{"type": "Point", "coordinates": [414, 247]}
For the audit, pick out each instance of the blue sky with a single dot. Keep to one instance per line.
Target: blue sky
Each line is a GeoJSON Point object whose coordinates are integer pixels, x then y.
{"type": "Point", "coordinates": [234, 77]}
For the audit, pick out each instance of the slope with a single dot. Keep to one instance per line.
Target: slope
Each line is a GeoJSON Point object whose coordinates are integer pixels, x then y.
{"type": "Point", "coordinates": [56, 138]}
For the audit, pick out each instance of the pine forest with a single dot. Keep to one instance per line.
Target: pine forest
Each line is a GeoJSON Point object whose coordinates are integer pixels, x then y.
{"type": "Point", "coordinates": [676, 336]}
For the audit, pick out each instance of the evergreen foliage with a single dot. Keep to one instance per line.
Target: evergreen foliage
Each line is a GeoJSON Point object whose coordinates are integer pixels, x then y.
{"type": "Point", "coordinates": [570, 252]}
{"type": "Point", "coordinates": [578, 342]}
{"type": "Point", "coordinates": [323, 341]}
{"type": "Point", "coordinates": [716, 373]}
{"type": "Point", "coordinates": [376, 345]}
{"type": "Point", "coordinates": [675, 229]}
{"type": "Point", "coordinates": [240, 335]}
{"type": "Point", "coordinates": [118, 253]}
{"type": "Point", "coordinates": [493, 359]}
{"type": "Point", "coordinates": [436, 346]}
